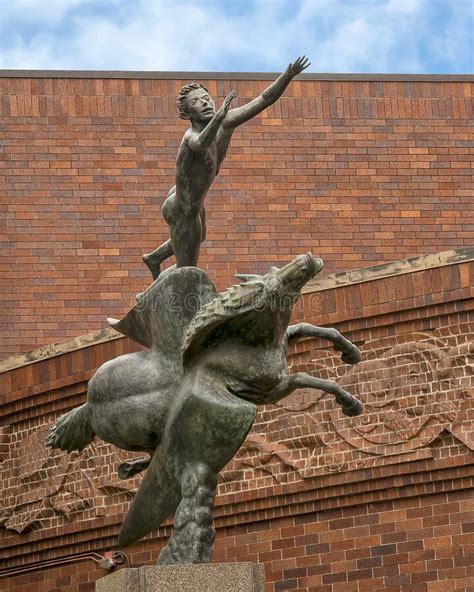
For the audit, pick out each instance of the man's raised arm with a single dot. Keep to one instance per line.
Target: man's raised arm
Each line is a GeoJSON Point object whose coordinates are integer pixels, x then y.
{"type": "Point", "coordinates": [242, 114]}
{"type": "Point", "coordinates": [199, 142]}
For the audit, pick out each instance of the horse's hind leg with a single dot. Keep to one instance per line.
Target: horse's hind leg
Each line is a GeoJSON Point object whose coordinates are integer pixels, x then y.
{"type": "Point", "coordinates": [129, 469]}
{"type": "Point", "coordinates": [350, 405]}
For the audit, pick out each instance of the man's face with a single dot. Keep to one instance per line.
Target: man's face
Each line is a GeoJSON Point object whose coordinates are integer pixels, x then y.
{"type": "Point", "coordinates": [200, 106]}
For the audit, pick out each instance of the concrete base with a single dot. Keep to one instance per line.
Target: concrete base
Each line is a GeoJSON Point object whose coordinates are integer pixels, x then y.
{"type": "Point", "coordinates": [206, 577]}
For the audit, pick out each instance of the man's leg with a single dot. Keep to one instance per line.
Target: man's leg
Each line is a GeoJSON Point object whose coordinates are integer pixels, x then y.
{"type": "Point", "coordinates": [202, 215]}
{"type": "Point", "coordinates": [154, 260]}
{"type": "Point", "coordinates": [186, 236]}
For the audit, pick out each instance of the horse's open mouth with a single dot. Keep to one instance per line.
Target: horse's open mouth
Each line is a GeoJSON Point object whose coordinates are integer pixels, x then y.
{"type": "Point", "coordinates": [314, 265]}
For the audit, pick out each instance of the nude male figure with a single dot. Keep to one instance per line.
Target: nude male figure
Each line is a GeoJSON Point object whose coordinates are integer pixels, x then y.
{"type": "Point", "coordinates": [200, 155]}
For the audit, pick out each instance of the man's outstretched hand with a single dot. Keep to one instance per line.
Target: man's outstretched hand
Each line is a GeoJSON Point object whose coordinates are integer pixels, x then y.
{"type": "Point", "coordinates": [297, 67]}
{"type": "Point", "coordinates": [222, 112]}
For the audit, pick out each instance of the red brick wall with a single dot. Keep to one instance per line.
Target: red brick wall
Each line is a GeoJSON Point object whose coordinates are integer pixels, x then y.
{"type": "Point", "coordinates": [357, 172]}
{"type": "Point", "coordinates": [329, 504]}
{"type": "Point", "coordinates": [407, 545]}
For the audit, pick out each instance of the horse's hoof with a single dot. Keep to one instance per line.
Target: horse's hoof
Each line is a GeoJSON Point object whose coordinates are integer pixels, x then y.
{"type": "Point", "coordinates": [130, 469]}
{"type": "Point", "coordinates": [125, 470]}
{"type": "Point", "coordinates": [352, 356]}
{"type": "Point", "coordinates": [353, 409]}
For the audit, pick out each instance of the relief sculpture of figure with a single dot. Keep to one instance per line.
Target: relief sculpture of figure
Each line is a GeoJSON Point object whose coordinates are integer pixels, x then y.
{"type": "Point", "coordinates": [199, 159]}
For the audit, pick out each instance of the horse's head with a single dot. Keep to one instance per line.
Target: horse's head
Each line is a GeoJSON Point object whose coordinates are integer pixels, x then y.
{"type": "Point", "coordinates": [293, 276]}
{"type": "Point", "coordinates": [283, 286]}
{"type": "Point", "coordinates": [280, 288]}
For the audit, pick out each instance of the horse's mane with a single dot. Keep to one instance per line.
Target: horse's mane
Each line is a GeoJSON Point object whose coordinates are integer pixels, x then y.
{"type": "Point", "coordinates": [235, 301]}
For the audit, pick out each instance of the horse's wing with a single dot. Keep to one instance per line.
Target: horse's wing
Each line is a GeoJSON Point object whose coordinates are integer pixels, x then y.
{"type": "Point", "coordinates": [157, 499]}
{"type": "Point", "coordinates": [134, 326]}
{"type": "Point", "coordinates": [160, 317]}
{"type": "Point", "coordinates": [226, 309]}
{"type": "Point", "coordinates": [206, 428]}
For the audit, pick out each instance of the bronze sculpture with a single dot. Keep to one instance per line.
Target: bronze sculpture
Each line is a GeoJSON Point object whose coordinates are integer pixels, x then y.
{"type": "Point", "coordinates": [190, 400]}
{"type": "Point", "coordinates": [199, 159]}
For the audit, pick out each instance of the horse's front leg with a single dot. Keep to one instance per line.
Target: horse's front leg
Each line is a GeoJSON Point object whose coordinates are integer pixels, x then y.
{"type": "Point", "coordinates": [350, 405]}
{"type": "Point", "coordinates": [350, 353]}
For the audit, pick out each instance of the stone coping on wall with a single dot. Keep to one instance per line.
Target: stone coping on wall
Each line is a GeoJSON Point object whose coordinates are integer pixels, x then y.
{"type": "Point", "coordinates": [117, 74]}
{"type": "Point", "coordinates": [393, 268]}
{"type": "Point", "coordinates": [336, 280]}
{"type": "Point", "coordinates": [56, 349]}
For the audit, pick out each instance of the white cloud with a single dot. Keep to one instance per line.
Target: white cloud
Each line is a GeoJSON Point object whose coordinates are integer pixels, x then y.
{"type": "Point", "coordinates": [363, 35]}
{"type": "Point", "coordinates": [23, 56]}
{"type": "Point", "coordinates": [49, 12]}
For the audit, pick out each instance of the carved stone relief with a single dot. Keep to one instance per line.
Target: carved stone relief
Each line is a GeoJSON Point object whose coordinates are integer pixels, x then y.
{"type": "Point", "coordinates": [43, 483]}
{"type": "Point", "coordinates": [413, 391]}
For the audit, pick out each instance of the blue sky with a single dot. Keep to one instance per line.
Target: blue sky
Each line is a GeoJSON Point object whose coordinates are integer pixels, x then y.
{"type": "Point", "coordinates": [389, 36]}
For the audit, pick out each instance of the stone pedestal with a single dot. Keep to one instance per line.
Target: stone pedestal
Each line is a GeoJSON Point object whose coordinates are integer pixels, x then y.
{"type": "Point", "coordinates": [206, 577]}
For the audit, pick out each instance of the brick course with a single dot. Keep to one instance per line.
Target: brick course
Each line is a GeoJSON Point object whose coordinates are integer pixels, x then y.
{"type": "Point", "coordinates": [358, 172]}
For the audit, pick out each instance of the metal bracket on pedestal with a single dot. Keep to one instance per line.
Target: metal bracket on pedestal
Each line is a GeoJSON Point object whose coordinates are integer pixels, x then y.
{"type": "Point", "coordinates": [111, 559]}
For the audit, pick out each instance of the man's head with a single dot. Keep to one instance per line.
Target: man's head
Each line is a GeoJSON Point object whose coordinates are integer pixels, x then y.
{"type": "Point", "coordinates": [194, 103]}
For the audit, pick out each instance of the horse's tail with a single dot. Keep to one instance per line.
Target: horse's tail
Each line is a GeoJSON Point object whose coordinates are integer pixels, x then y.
{"type": "Point", "coordinates": [72, 431]}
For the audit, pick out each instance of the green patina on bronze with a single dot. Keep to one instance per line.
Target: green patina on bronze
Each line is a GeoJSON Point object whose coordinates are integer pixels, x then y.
{"type": "Point", "coordinates": [190, 400]}
{"type": "Point", "coordinates": [200, 155]}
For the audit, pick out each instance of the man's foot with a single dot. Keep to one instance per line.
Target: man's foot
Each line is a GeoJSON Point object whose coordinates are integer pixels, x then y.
{"type": "Point", "coordinates": [153, 265]}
